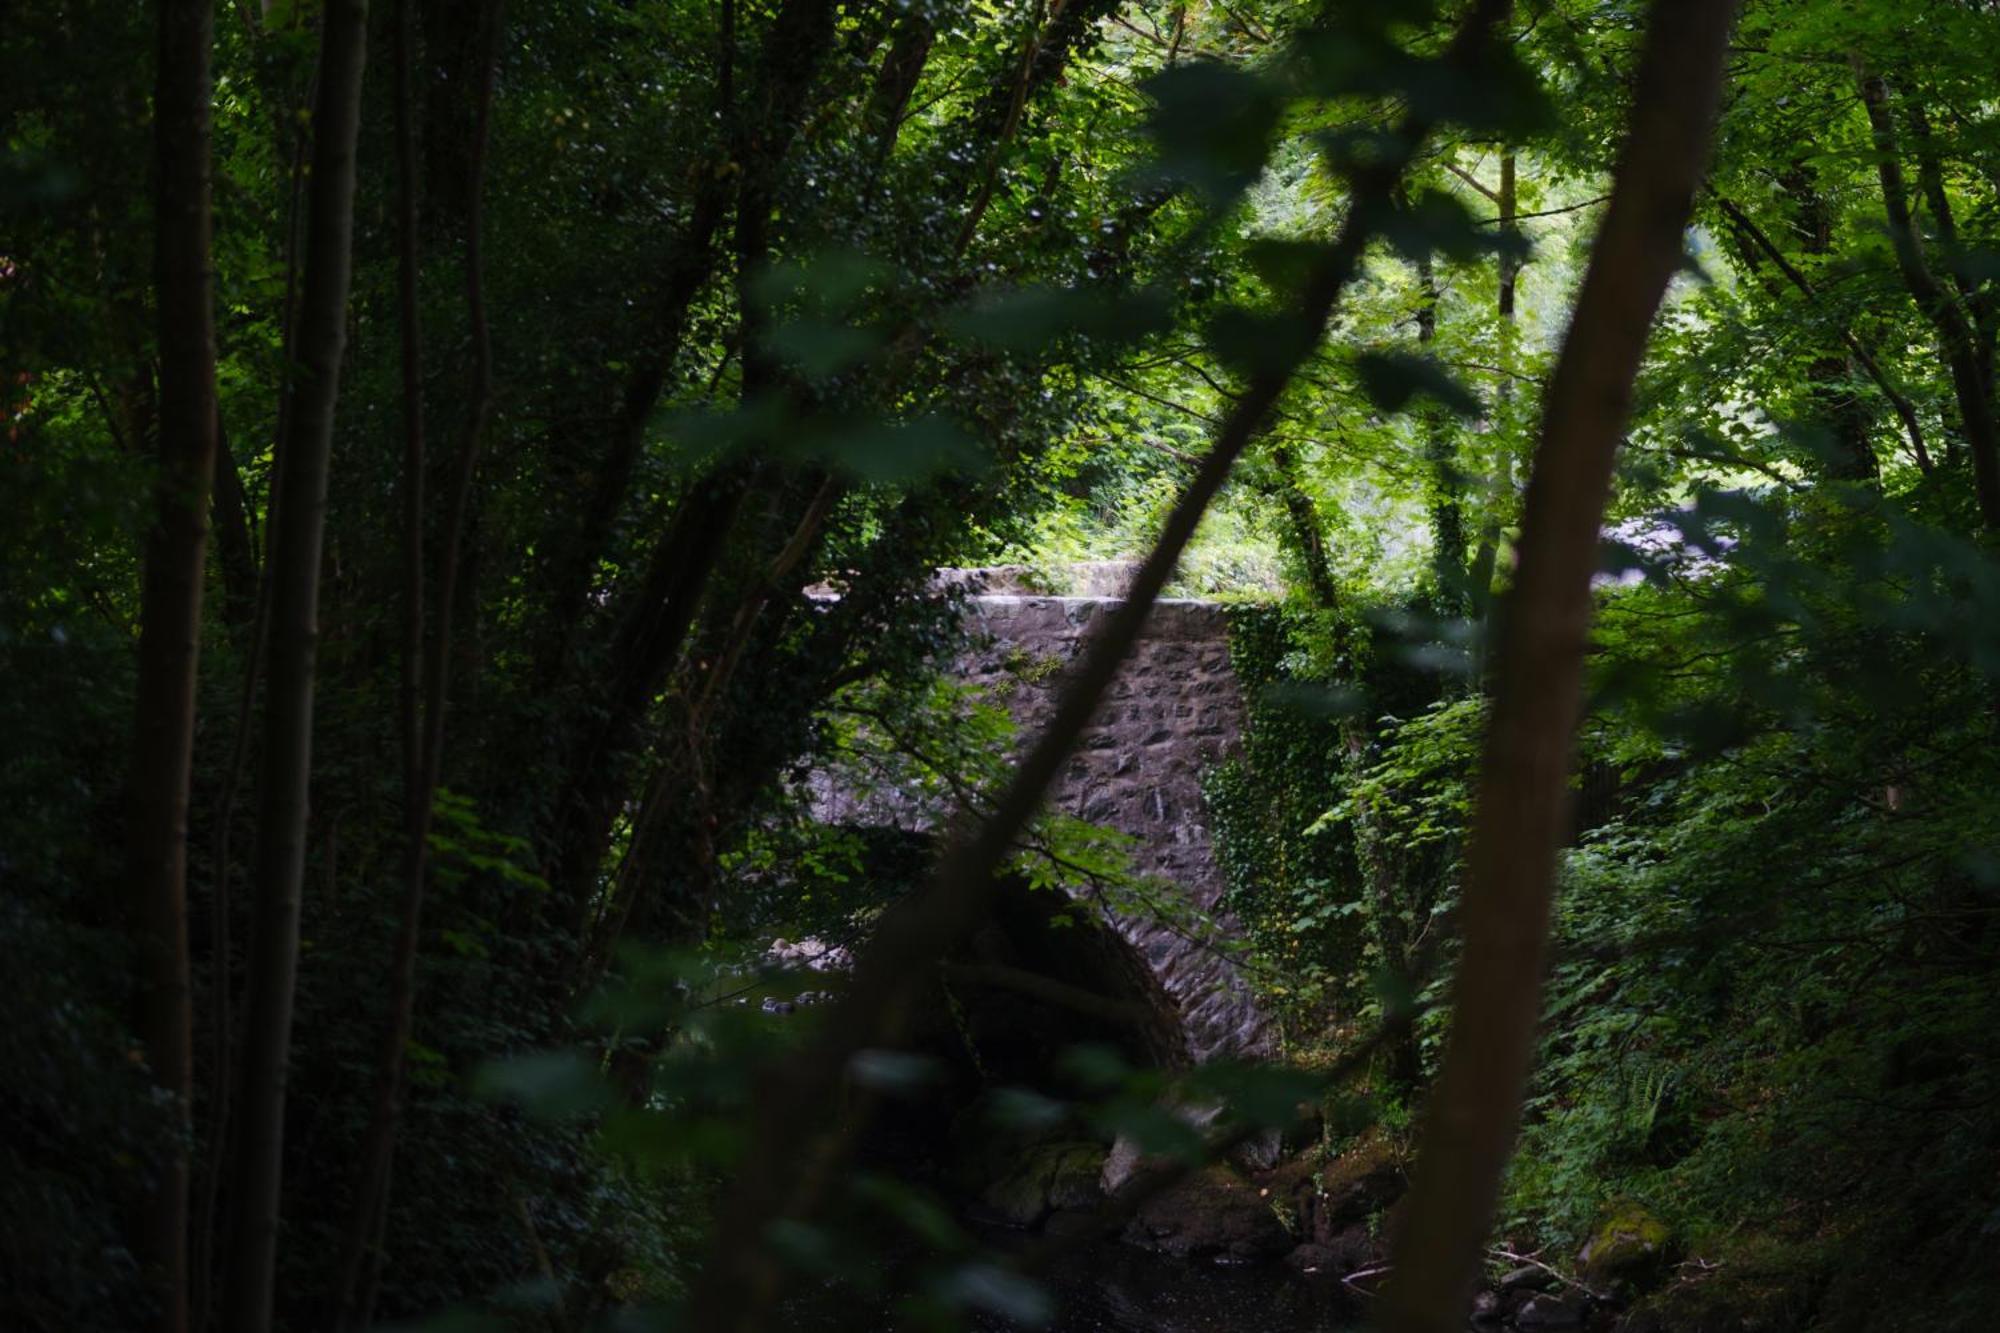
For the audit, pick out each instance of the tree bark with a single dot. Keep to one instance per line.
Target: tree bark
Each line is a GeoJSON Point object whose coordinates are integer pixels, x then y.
{"type": "Point", "coordinates": [1474, 1108]}
{"type": "Point", "coordinates": [1510, 264]}
{"type": "Point", "coordinates": [789, 1165]}
{"type": "Point", "coordinates": [1846, 419]}
{"type": "Point", "coordinates": [258, 1163]}
{"type": "Point", "coordinates": [649, 640]}
{"type": "Point", "coordinates": [170, 622]}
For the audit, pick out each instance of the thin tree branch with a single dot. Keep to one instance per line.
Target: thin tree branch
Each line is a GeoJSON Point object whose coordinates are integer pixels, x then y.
{"type": "Point", "coordinates": [1472, 180]}
{"type": "Point", "coordinates": [1906, 411]}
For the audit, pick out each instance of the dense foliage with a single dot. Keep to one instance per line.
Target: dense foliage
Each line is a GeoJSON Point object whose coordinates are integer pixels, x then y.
{"type": "Point", "coordinates": [687, 341]}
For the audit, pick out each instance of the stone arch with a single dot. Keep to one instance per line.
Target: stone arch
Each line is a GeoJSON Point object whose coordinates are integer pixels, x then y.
{"type": "Point", "coordinates": [1173, 710]}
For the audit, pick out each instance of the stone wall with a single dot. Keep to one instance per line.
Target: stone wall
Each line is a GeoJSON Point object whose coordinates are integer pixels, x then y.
{"type": "Point", "coordinates": [1173, 711]}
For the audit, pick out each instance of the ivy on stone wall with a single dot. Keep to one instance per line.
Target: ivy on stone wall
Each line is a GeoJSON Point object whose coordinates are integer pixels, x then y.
{"type": "Point", "coordinates": [1337, 827]}
{"type": "Point", "coordinates": [1289, 888]}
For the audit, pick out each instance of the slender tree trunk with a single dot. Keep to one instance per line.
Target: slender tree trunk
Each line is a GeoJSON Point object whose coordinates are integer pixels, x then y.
{"type": "Point", "coordinates": [1954, 331]}
{"type": "Point", "coordinates": [1304, 519]}
{"type": "Point", "coordinates": [1510, 264]}
{"type": "Point", "coordinates": [1474, 1108]}
{"type": "Point", "coordinates": [643, 655]}
{"type": "Point", "coordinates": [1835, 407]}
{"type": "Point", "coordinates": [1447, 484]}
{"type": "Point", "coordinates": [258, 1163]}
{"type": "Point", "coordinates": [896, 79]}
{"type": "Point", "coordinates": [650, 640]}
{"type": "Point", "coordinates": [789, 1165]}
{"type": "Point", "coordinates": [1979, 297]}
{"type": "Point", "coordinates": [170, 623]}
{"type": "Point", "coordinates": [1486, 552]}
{"type": "Point", "coordinates": [426, 674]}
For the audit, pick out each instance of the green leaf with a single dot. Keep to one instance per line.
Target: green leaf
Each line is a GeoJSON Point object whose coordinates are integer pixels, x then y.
{"type": "Point", "coordinates": [832, 280]}
{"type": "Point", "coordinates": [1392, 379]}
{"type": "Point", "coordinates": [1211, 126]}
{"type": "Point", "coordinates": [892, 452]}
{"type": "Point", "coordinates": [1265, 1094]}
{"type": "Point", "coordinates": [1438, 223]}
{"type": "Point", "coordinates": [821, 348]}
{"type": "Point", "coordinates": [1028, 319]}
{"type": "Point", "coordinates": [1258, 342]}
{"type": "Point", "coordinates": [1158, 1130]}
{"type": "Point", "coordinates": [551, 1085]}
{"type": "Point", "coordinates": [1024, 1109]}
{"type": "Point", "coordinates": [1284, 265]}
{"type": "Point", "coordinates": [1093, 1066]}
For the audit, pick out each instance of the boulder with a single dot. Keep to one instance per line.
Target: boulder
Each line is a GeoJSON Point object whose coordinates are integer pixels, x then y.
{"type": "Point", "coordinates": [1076, 1172]}
{"type": "Point", "coordinates": [1553, 1310]}
{"type": "Point", "coordinates": [1074, 1224]}
{"type": "Point", "coordinates": [1213, 1214]}
{"type": "Point", "coordinates": [1019, 1199]}
{"type": "Point", "coordinates": [1628, 1248]}
{"type": "Point", "coordinates": [1355, 1185]}
{"type": "Point", "coordinates": [1304, 1133]}
{"type": "Point", "coordinates": [1527, 1277]}
{"type": "Point", "coordinates": [1044, 1178]}
{"type": "Point", "coordinates": [1354, 1249]}
{"type": "Point", "coordinates": [1486, 1308]}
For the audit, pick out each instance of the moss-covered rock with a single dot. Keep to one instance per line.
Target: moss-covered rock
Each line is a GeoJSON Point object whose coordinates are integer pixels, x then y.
{"type": "Point", "coordinates": [1363, 1181]}
{"type": "Point", "coordinates": [1629, 1248]}
{"type": "Point", "coordinates": [1213, 1213]}
{"type": "Point", "coordinates": [1044, 1178]}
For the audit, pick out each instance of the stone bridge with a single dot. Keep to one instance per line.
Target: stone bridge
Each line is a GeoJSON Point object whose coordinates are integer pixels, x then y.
{"type": "Point", "coordinates": [1173, 711]}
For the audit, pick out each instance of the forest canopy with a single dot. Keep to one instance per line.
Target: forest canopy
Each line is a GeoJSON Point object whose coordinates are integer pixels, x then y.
{"type": "Point", "coordinates": [809, 664]}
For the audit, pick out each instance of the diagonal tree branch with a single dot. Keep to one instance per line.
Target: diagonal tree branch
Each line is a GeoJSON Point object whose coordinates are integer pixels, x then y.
{"type": "Point", "coordinates": [1906, 411]}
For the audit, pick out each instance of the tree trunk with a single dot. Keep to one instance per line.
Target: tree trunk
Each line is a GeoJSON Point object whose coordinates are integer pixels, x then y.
{"type": "Point", "coordinates": [258, 1163]}
{"type": "Point", "coordinates": [425, 671]}
{"type": "Point", "coordinates": [650, 639]}
{"type": "Point", "coordinates": [1447, 484]}
{"type": "Point", "coordinates": [1954, 331]}
{"type": "Point", "coordinates": [170, 623]}
{"type": "Point", "coordinates": [1486, 552]}
{"type": "Point", "coordinates": [1303, 516]}
{"type": "Point", "coordinates": [1474, 1109]}
{"type": "Point", "coordinates": [896, 79]}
